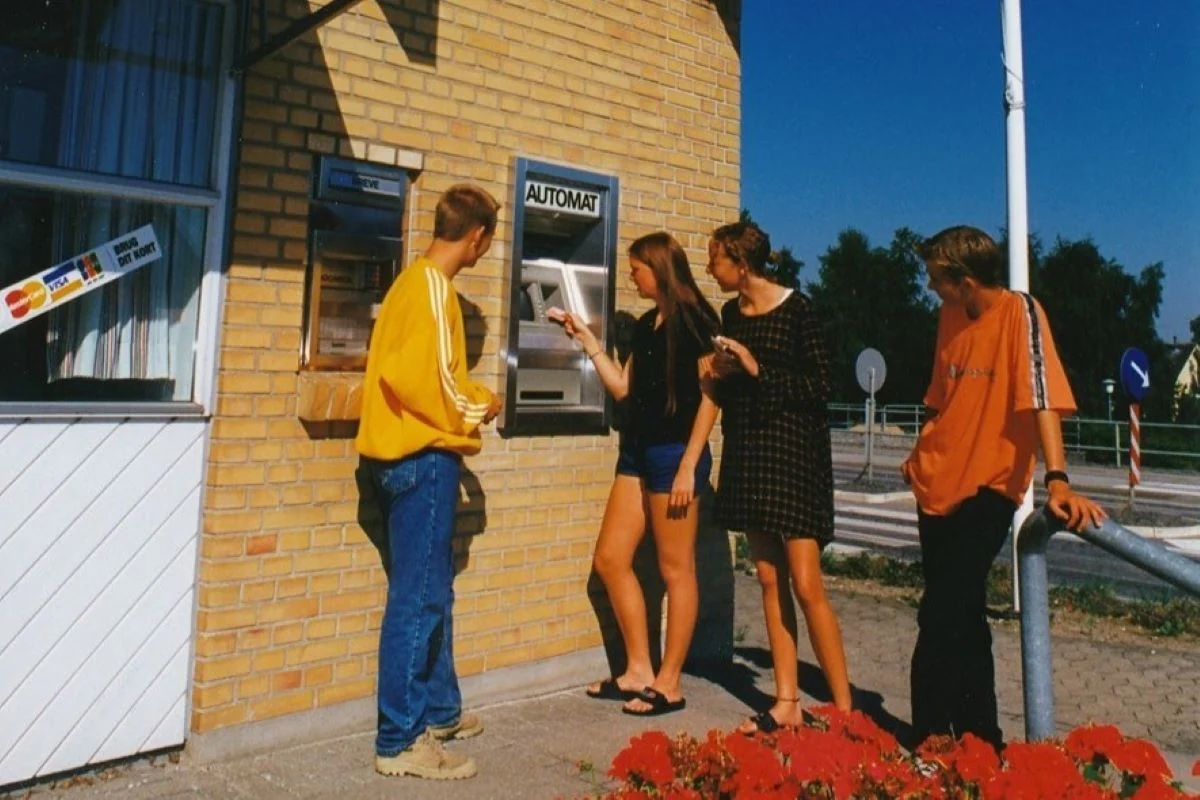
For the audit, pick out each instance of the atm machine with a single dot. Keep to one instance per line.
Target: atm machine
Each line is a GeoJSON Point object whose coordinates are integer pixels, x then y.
{"type": "Point", "coordinates": [355, 249]}
{"type": "Point", "coordinates": [563, 256]}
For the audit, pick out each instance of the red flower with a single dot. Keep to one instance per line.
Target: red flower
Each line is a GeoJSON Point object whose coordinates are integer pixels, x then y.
{"type": "Point", "coordinates": [1089, 741]}
{"type": "Point", "coordinates": [1156, 789]}
{"type": "Point", "coordinates": [759, 768]}
{"type": "Point", "coordinates": [1196, 767]}
{"type": "Point", "coordinates": [845, 755]}
{"type": "Point", "coordinates": [856, 725]}
{"type": "Point", "coordinates": [646, 758]}
{"type": "Point", "coordinates": [1139, 757]}
{"type": "Point", "coordinates": [974, 760]}
{"type": "Point", "coordinates": [1040, 770]}
{"type": "Point", "coordinates": [629, 794]}
{"type": "Point", "coordinates": [682, 794]}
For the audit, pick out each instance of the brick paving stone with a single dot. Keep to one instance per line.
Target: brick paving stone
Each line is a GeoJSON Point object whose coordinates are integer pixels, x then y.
{"type": "Point", "coordinates": [533, 749]}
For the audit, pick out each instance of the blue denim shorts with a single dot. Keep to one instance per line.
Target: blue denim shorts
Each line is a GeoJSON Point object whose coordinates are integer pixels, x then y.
{"type": "Point", "coordinates": [657, 464]}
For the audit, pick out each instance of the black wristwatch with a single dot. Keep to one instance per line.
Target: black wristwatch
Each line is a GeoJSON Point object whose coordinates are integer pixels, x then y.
{"type": "Point", "coordinates": [1055, 475]}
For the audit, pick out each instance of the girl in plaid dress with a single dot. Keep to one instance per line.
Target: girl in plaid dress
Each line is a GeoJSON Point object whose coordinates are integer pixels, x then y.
{"type": "Point", "coordinates": [776, 480]}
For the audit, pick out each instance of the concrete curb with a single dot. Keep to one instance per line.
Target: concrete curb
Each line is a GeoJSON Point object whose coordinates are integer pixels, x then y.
{"type": "Point", "coordinates": [492, 688]}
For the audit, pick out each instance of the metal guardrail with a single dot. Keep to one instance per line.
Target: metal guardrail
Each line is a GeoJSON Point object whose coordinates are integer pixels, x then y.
{"type": "Point", "coordinates": [1037, 666]}
{"type": "Point", "coordinates": [1109, 439]}
{"type": "Point", "coordinates": [1112, 437]}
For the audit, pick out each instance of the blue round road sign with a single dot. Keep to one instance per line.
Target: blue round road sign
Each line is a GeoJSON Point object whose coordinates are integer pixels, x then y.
{"type": "Point", "coordinates": [1135, 373]}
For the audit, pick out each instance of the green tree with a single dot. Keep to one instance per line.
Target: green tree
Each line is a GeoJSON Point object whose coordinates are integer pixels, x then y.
{"type": "Point", "coordinates": [1096, 311]}
{"type": "Point", "coordinates": [875, 297]}
{"type": "Point", "coordinates": [1195, 326]}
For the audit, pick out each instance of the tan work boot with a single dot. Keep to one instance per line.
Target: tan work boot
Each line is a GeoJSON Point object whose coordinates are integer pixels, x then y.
{"type": "Point", "coordinates": [468, 725]}
{"type": "Point", "coordinates": [426, 758]}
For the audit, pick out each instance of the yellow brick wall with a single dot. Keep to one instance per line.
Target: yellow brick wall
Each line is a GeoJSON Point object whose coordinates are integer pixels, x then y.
{"type": "Point", "coordinates": [291, 591]}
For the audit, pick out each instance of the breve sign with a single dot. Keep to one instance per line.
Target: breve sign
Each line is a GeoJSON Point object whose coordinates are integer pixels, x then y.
{"type": "Point", "coordinates": [563, 199]}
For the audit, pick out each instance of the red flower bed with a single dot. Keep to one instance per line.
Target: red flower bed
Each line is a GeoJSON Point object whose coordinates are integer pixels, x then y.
{"type": "Point", "coordinates": [841, 755]}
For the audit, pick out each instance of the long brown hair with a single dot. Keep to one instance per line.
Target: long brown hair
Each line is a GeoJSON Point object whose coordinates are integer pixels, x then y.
{"type": "Point", "coordinates": [680, 295]}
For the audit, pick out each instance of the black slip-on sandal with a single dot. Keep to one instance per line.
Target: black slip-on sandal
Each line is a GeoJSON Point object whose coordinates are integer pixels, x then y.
{"type": "Point", "coordinates": [611, 690]}
{"type": "Point", "coordinates": [658, 702]}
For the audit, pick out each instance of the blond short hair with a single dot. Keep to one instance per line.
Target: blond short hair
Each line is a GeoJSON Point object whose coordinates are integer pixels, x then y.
{"type": "Point", "coordinates": [963, 251]}
{"type": "Point", "coordinates": [463, 208]}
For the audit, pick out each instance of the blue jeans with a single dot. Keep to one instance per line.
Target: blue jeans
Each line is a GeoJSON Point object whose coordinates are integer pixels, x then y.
{"type": "Point", "coordinates": [418, 496]}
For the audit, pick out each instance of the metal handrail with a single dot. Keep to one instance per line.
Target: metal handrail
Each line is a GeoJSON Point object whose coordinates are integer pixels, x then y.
{"type": "Point", "coordinates": [1037, 668]}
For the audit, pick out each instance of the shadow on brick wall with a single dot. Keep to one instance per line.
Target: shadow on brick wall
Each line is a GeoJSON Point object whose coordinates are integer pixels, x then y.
{"type": "Point", "coordinates": [415, 23]}
{"type": "Point", "coordinates": [730, 12]}
{"type": "Point", "coordinates": [471, 515]}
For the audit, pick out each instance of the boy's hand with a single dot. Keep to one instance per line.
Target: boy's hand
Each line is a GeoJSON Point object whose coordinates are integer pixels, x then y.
{"type": "Point", "coordinates": [1078, 511]}
{"type": "Point", "coordinates": [495, 406]}
{"type": "Point", "coordinates": [906, 471]}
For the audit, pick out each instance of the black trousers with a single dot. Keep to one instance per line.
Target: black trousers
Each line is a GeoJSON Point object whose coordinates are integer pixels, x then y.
{"type": "Point", "coordinates": [953, 675]}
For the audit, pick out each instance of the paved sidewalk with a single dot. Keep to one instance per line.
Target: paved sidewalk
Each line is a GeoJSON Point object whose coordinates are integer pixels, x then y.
{"type": "Point", "coordinates": [561, 745]}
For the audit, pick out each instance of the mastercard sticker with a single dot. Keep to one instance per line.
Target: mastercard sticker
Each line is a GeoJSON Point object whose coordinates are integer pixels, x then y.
{"type": "Point", "coordinates": [27, 298]}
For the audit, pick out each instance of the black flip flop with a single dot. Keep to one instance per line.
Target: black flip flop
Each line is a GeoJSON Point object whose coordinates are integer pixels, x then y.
{"type": "Point", "coordinates": [658, 702]}
{"type": "Point", "coordinates": [764, 723]}
{"type": "Point", "coordinates": [611, 690]}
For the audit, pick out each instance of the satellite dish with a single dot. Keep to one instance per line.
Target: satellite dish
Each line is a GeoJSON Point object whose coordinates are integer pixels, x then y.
{"type": "Point", "coordinates": [868, 360]}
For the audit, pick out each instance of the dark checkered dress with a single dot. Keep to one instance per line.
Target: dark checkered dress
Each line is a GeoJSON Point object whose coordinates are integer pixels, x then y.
{"type": "Point", "coordinates": [776, 467]}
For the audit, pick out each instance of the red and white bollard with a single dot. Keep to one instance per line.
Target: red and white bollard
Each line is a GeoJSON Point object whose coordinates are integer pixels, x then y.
{"type": "Point", "coordinates": [1135, 449]}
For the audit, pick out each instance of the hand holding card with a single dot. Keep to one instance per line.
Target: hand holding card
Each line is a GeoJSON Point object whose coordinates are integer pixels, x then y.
{"type": "Point", "coordinates": [574, 328]}
{"type": "Point", "coordinates": [721, 345]}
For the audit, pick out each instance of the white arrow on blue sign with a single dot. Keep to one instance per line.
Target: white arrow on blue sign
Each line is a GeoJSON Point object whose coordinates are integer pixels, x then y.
{"type": "Point", "coordinates": [1135, 373]}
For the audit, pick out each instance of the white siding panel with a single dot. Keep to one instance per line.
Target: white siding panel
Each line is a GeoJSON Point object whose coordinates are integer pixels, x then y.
{"type": "Point", "coordinates": [34, 457]}
{"type": "Point", "coordinates": [133, 658]}
{"type": "Point", "coordinates": [32, 545]}
{"type": "Point", "coordinates": [97, 579]}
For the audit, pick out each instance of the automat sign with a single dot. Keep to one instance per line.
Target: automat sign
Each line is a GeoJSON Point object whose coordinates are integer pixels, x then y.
{"type": "Point", "coordinates": [564, 199]}
{"type": "Point", "coordinates": [30, 298]}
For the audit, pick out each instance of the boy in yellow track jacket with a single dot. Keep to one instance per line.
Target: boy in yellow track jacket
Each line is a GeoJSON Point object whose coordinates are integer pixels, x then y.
{"type": "Point", "coordinates": [421, 414]}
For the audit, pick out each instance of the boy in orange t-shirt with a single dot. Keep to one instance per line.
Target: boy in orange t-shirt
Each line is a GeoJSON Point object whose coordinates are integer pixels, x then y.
{"type": "Point", "coordinates": [998, 391]}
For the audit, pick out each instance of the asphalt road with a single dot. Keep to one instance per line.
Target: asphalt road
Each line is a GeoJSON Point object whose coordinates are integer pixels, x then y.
{"type": "Point", "coordinates": [890, 527]}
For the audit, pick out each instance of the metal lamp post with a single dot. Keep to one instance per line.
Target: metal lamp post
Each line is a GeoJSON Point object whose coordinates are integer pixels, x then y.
{"type": "Point", "coordinates": [1109, 386]}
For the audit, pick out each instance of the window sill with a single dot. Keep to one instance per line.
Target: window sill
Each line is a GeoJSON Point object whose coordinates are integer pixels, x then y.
{"type": "Point", "coordinates": [40, 411]}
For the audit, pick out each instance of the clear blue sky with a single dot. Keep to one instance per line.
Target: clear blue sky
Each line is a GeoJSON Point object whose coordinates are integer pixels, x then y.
{"type": "Point", "coordinates": [879, 114]}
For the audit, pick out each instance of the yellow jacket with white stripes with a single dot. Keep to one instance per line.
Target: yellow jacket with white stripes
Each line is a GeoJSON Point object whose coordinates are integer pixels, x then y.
{"type": "Point", "coordinates": [417, 393]}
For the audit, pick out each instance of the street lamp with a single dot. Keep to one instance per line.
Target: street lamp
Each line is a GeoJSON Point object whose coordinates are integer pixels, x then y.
{"type": "Point", "coordinates": [1109, 385]}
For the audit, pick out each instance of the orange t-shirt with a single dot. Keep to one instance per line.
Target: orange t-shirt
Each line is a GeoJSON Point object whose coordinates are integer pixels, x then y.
{"type": "Point", "coordinates": [989, 377]}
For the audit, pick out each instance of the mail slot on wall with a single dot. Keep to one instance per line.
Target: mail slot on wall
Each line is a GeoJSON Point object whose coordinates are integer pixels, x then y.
{"type": "Point", "coordinates": [563, 256]}
{"type": "Point", "coordinates": [355, 217]}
